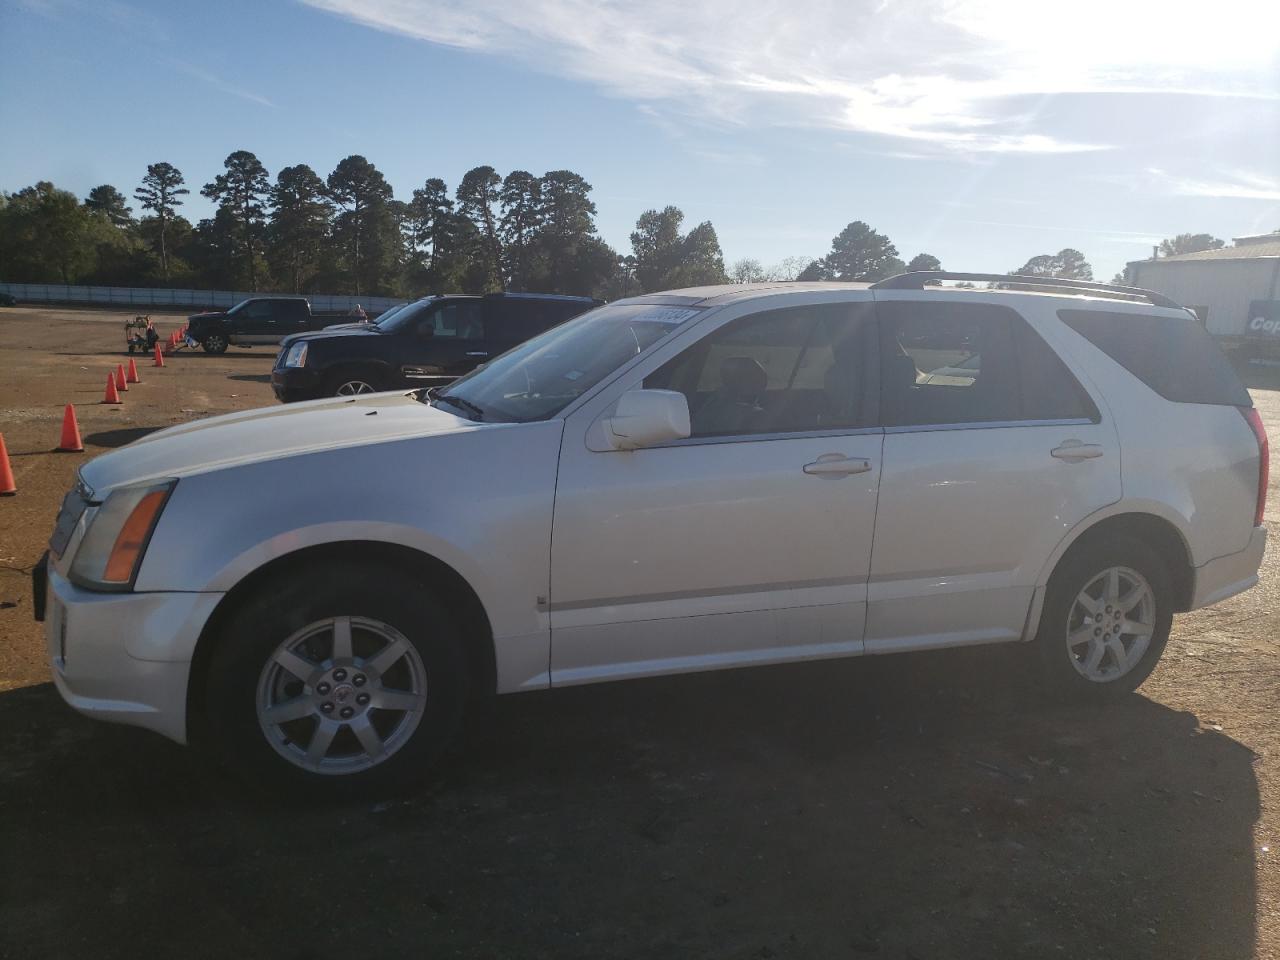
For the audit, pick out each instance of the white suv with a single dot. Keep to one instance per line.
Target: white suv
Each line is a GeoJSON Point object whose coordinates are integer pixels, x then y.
{"type": "Point", "coordinates": [682, 481]}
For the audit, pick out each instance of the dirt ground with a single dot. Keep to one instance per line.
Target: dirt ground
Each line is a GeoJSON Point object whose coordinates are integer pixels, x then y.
{"type": "Point", "coordinates": [926, 806]}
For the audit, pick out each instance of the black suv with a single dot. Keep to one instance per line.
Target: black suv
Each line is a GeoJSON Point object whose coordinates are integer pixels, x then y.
{"type": "Point", "coordinates": [427, 343]}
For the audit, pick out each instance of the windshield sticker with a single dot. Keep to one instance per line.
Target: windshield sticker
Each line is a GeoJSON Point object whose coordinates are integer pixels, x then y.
{"type": "Point", "coordinates": [671, 315]}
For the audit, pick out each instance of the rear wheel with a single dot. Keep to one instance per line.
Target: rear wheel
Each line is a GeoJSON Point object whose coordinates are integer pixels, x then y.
{"type": "Point", "coordinates": [214, 343]}
{"type": "Point", "coordinates": [347, 682]}
{"type": "Point", "coordinates": [1106, 619]}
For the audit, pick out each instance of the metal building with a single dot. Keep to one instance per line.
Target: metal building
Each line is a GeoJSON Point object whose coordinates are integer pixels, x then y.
{"type": "Point", "coordinates": [1235, 290]}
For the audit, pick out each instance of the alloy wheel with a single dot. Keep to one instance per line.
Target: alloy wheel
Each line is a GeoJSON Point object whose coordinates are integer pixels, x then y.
{"type": "Point", "coordinates": [341, 695]}
{"type": "Point", "coordinates": [1110, 623]}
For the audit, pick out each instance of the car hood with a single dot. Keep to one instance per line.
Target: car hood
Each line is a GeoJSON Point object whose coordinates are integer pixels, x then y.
{"type": "Point", "coordinates": [269, 433]}
{"type": "Point", "coordinates": [211, 315]}
{"type": "Point", "coordinates": [342, 330]}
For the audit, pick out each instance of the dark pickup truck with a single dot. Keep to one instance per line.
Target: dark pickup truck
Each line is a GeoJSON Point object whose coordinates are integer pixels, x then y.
{"type": "Point", "coordinates": [257, 321]}
{"type": "Point", "coordinates": [428, 343]}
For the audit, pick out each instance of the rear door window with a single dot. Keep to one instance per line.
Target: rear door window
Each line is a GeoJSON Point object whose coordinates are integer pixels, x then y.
{"type": "Point", "coordinates": [945, 363]}
{"type": "Point", "coordinates": [457, 320]}
{"type": "Point", "coordinates": [1174, 356]}
{"type": "Point", "coordinates": [1049, 390]}
{"type": "Point", "coordinates": [948, 363]}
{"type": "Point", "coordinates": [520, 318]}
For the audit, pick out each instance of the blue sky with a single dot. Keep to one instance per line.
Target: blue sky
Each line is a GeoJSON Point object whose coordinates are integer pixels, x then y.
{"type": "Point", "coordinates": [970, 129]}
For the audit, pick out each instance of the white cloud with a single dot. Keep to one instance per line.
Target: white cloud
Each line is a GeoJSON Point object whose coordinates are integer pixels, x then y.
{"type": "Point", "coordinates": [948, 74]}
{"type": "Point", "coordinates": [1111, 236]}
{"type": "Point", "coordinates": [1240, 184]}
{"type": "Point", "coordinates": [218, 83]}
{"type": "Point", "coordinates": [119, 15]}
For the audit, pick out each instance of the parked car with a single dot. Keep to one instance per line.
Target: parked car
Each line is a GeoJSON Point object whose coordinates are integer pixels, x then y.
{"type": "Point", "coordinates": [675, 482]}
{"type": "Point", "coordinates": [255, 322]}
{"type": "Point", "coordinates": [428, 343]}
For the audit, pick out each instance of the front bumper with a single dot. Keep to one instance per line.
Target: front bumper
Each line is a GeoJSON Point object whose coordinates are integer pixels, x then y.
{"type": "Point", "coordinates": [295, 383]}
{"type": "Point", "coordinates": [124, 657]}
{"type": "Point", "coordinates": [1226, 576]}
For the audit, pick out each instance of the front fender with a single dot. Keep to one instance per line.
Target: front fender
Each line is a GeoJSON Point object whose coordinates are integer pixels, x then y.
{"type": "Point", "coordinates": [479, 501]}
{"type": "Point", "coordinates": [282, 544]}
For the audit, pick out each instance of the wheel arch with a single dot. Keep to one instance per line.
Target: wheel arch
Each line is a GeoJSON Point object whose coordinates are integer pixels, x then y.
{"type": "Point", "coordinates": [1160, 532]}
{"type": "Point", "coordinates": [378, 370]}
{"type": "Point", "coordinates": [452, 587]}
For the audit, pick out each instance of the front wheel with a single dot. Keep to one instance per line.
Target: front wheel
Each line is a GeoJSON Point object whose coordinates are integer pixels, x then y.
{"type": "Point", "coordinates": [214, 343]}
{"type": "Point", "coordinates": [1106, 619]}
{"type": "Point", "coordinates": [352, 384]}
{"type": "Point", "coordinates": [349, 681]}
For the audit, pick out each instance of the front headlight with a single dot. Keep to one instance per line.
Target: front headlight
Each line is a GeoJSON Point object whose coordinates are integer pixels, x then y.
{"type": "Point", "coordinates": [297, 355]}
{"type": "Point", "coordinates": [112, 549]}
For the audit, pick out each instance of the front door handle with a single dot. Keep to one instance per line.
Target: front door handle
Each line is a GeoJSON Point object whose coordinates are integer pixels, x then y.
{"type": "Point", "coordinates": [1073, 451]}
{"type": "Point", "coordinates": [836, 465]}
{"type": "Point", "coordinates": [477, 353]}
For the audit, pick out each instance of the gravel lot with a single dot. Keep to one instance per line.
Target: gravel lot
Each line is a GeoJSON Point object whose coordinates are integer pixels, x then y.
{"type": "Point", "coordinates": [926, 806]}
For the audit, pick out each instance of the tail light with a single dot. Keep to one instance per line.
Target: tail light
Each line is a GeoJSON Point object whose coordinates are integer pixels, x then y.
{"type": "Point", "coordinates": [1254, 419]}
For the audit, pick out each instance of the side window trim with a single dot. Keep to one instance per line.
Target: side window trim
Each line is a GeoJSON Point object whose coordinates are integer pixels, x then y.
{"type": "Point", "coordinates": [989, 425]}
{"type": "Point", "coordinates": [768, 437]}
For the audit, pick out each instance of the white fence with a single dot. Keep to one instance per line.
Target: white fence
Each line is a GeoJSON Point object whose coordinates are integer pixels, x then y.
{"type": "Point", "coordinates": [158, 297]}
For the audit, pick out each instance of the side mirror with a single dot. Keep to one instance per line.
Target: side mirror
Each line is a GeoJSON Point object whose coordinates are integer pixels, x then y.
{"type": "Point", "coordinates": [644, 418]}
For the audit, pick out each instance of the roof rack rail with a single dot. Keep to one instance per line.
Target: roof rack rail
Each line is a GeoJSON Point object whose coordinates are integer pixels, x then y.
{"type": "Point", "coordinates": [922, 278]}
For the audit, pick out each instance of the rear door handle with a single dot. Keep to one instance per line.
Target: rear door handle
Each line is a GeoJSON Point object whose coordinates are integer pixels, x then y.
{"type": "Point", "coordinates": [836, 465]}
{"type": "Point", "coordinates": [477, 353]}
{"type": "Point", "coordinates": [1074, 451]}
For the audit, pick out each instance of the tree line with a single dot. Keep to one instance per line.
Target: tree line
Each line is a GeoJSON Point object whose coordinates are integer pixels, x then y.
{"type": "Point", "coordinates": [348, 233]}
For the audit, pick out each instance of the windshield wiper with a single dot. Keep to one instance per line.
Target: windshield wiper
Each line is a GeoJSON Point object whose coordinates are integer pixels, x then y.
{"type": "Point", "coordinates": [461, 403]}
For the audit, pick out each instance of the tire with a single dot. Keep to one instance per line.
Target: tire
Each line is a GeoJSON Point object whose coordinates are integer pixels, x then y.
{"type": "Point", "coordinates": [1078, 619]}
{"type": "Point", "coordinates": [352, 383]}
{"type": "Point", "coordinates": [214, 343]}
{"type": "Point", "coordinates": [406, 650]}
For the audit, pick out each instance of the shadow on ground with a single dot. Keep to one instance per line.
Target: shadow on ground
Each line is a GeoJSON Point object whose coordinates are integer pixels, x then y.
{"type": "Point", "coordinates": [250, 377]}
{"type": "Point", "coordinates": [911, 807]}
{"type": "Point", "coordinates": [117, 438]}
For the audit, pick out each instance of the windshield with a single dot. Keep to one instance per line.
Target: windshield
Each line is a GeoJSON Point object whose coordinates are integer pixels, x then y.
{"type": "Point", "coordinates": [397, 318]}
{"type": "Point", "coordinates": [542, 376]}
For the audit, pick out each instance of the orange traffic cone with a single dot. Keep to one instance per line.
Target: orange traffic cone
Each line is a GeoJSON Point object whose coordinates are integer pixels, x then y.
{"type": "Point", "coordinates": [112, 396]}
{"type": "Point", "coordinates": [120, 384]}
{"type": "Point", "coordinates": [131, 375]}
{"type": "Point", "coordinates": [7, 487]}
{"type": "Point", "coordinates": [70, 442]}
{"type": "Point", "coordinates": [159, 357]}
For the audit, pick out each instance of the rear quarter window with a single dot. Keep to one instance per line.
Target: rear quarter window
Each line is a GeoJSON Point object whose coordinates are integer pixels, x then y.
{"type": "Point", "coordinates": [1174, 356]}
